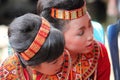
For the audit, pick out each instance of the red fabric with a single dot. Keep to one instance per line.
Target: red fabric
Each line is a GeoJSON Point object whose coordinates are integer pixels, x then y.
{"type": "Point", "coordinates": [39, 76]}
{"type": "Point", "coordinates": [26, 74]}
{"type": "Point", "coordinates": [103, 65]}
{"type": "Point", "coordinates": [103, 70]}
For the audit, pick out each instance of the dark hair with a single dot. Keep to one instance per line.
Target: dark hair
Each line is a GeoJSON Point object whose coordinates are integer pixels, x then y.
{"type": "Point", "coordinates": [22, 32]}
{"type": "Point", "coordinates": [44, 9]}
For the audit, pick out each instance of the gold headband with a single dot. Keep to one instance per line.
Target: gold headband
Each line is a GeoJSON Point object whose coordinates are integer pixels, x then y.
{"type": "Point", "coordinates": [68, 14]}
{"type": "Point", "coordinates": [38, 41]}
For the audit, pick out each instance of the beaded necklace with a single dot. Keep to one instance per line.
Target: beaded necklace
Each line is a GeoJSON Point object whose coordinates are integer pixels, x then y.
{"type": "Point", "coordinates": [84, 75]}
{"type": "Point", "coordinates": [77, 60]}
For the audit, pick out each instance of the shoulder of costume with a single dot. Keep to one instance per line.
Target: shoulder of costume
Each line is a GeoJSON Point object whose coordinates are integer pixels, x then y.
{"type": "Point", "coordinates": [103, 50]}
{"type": "Point", "coordinates": [11, 60]}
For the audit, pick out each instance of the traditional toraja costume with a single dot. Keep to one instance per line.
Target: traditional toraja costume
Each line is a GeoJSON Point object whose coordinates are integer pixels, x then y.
{"type": "Point", "coordinates": [12, 69]}
{"type": "Point", "coordinates": [94, 65]}
{"type": "Point", "coordinates": [89, 66]}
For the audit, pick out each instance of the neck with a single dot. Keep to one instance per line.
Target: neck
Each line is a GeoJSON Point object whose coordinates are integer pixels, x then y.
{"type": "Point", "coordinates": [74, 57]}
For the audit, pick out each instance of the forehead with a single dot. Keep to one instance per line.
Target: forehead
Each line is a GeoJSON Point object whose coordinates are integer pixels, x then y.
{"type": "Point", "coordinates": [82, 21]}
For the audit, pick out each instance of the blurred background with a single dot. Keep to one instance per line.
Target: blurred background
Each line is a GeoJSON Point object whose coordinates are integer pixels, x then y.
{"type": "Point", "coordinates": [10, 9]}
{"type": "Point", "coordinates": [104, 12]}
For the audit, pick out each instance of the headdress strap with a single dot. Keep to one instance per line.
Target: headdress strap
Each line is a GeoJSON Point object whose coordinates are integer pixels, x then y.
{"type": "Point", "coordinates": [68, 14]}
{"type": "Point", "coordinates": [38, 41]}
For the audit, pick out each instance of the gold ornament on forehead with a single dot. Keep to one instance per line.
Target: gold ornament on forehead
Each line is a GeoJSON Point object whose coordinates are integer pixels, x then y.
{"type": "Point", "coordinates": [68, 14]}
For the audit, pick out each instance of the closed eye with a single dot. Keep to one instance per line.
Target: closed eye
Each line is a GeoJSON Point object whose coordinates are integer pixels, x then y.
{"type": "Point", "coordinates": [81, 31]}
{"type": "Point", "coordinates": [54, 62]}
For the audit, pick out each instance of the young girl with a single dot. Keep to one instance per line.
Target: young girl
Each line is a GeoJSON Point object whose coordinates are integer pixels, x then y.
{"type": "Point", "coordinates": [39, 50]}
{"type": "Point", "coordinates": [89, 58]}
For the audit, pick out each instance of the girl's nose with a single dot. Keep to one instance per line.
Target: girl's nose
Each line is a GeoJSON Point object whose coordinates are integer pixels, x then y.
{"type": "Point", "coordinates": [90, 35]}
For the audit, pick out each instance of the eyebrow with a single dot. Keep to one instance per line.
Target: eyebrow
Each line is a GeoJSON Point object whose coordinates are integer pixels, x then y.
{"type": "Point", "coordinates": [82, 27]}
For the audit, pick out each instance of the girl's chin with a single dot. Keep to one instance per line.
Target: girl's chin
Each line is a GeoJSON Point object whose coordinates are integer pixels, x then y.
{"type": "Point", "coordinates": [87, 50]}
{"type": "Point", "coordinates": [56, 72]}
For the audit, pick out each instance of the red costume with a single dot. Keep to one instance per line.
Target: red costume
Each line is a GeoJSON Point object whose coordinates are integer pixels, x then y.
{"type": "Point", "coordinates": [94, 65]}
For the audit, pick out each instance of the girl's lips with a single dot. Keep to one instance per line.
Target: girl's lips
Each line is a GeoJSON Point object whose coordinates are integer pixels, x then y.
{"type": "Point", "coordinates": [90, 45]}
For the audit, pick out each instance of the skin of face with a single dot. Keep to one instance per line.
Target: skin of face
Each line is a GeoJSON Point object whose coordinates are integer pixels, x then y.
{"type": "Point", "coordinates": [79, 35]}
{"type": "Point", "coordinates": [51, 67]}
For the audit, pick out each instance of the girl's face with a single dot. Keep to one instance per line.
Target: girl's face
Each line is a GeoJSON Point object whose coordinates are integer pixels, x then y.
{"type": "Point", "coordinates": [51, 67]}
{"type": "Point", "coordinates": [79, 35]}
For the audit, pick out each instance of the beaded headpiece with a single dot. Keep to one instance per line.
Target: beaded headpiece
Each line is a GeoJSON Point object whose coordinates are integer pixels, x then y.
{"type": "Point", "coordinates": [38, 41]}
{"type": "Point", "coordinates": [68, 14]}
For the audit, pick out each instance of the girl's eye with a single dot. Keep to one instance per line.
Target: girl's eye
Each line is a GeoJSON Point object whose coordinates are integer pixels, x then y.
{"type": "Point", "coordinates": [81, 32]}
{"type": "Point", "coordinates": [55, 62]}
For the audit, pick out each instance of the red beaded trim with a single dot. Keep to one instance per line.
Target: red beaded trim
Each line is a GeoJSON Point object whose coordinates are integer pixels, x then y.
{"type": "Point", "coordinates": [94, 63]}
{"type": "Point", "coordinates": [66, 66]}
{"type": "Point", "coordinates": [38, 41]}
